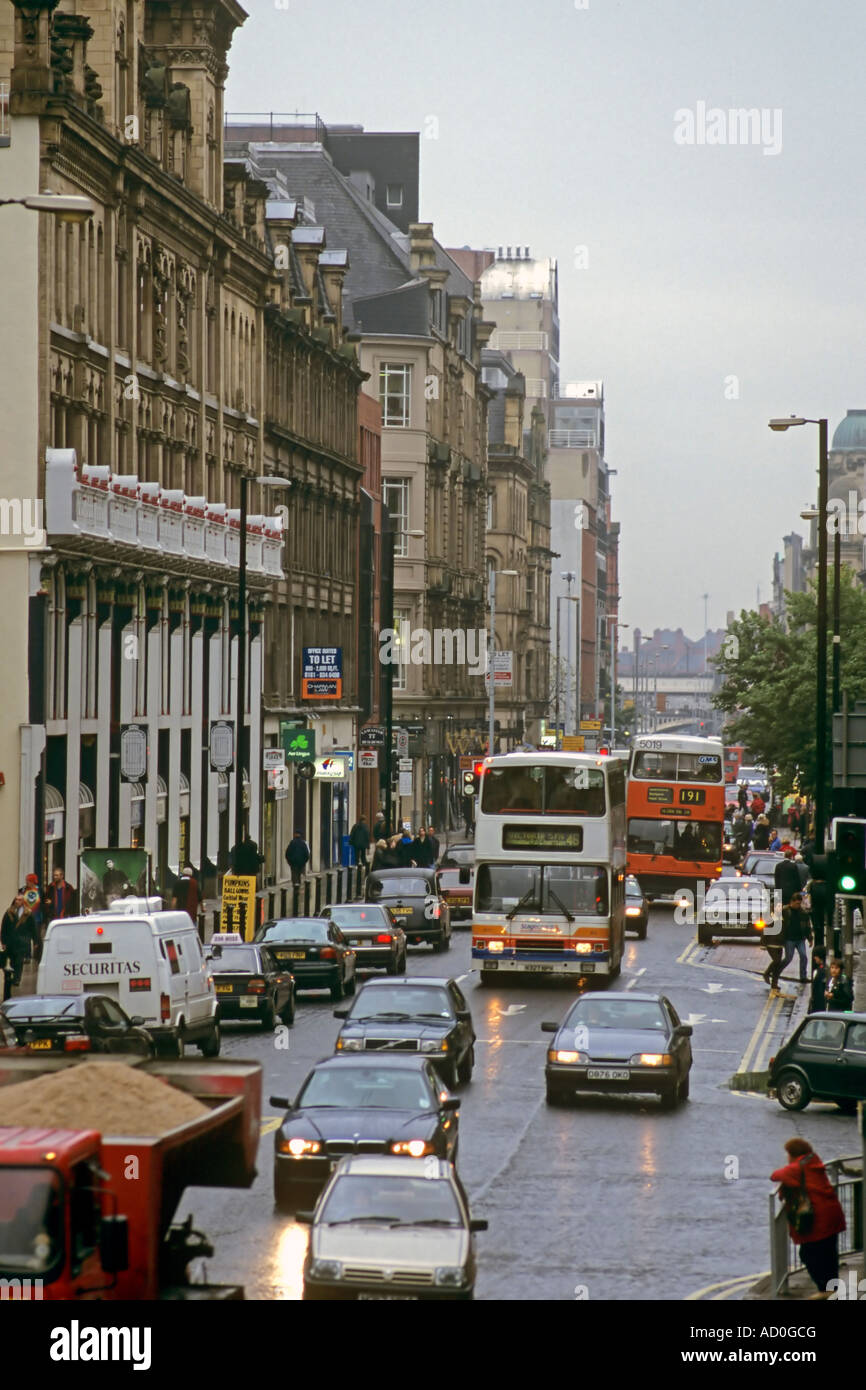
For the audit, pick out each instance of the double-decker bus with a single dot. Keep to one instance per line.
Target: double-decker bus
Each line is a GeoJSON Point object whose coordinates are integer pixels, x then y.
{"type": "Point", "coordinates": [676, 811]}
{"type": "Point", "coordinates": [549, 892]}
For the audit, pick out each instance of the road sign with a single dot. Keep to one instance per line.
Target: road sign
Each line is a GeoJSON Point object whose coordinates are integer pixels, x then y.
{"type": "Point", "coordinates": [373, 736]}
{"type": "Point", "coordinates": [591, 725]}
{"type": "Point", "coordinates": [405, 787]}
{"type": "Point", "coordinates": [238, 907]}
{"type": "Point", "coordinates": [272, 758]}
{"type": "Point", "coordinates": [572, 743]}
{"type": "Point", "coordinates": [405, 765]}
{"type": "Point", "coordinates": [466, 764]}
{"type": "Point", "coordinates": [133, 753]}
{"type": "Point", "coordinates": [322, 673]}
{"type": "Point", "coordinates": [222, 745]}
{"type": "Point", "coordinates": [368, 757]}
{"type": "Point", "coordinates": [402, 743]}
{"type": "Point", "coordinates": [849, 747]}
{"type": "Point", "coordinates": [503, 671]}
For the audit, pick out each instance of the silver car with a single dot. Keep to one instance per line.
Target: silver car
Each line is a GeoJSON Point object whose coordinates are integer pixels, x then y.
{"type": "Point", "coordinates": [391, 1228]}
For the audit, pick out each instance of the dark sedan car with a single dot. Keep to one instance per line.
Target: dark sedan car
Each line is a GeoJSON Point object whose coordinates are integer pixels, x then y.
{"type": "Point", "coordinates": [413, 898]}
{"type": "Point", "coordinates": [377, 940]}
{"type": "Point", "coordinates": [621, 1043]}
{"type": "Point", "coordinates": [761, 863]}
{"type": "Point", "coordinates": [76, 1023]}
{"type": "Point", "coordinates": [421, 1014]}
{"type": "Point", "coordinates": [824, 1060]}
{"type": "Point", "coordinates": [252, 987]}
{"type": "Point", "coordinates": [358, 1104]}
{"type": "Point", "coordinates": [457, 887]}
{"type": "Point", "coordinates": [313, 949]}
{"type": "Point", "coordinates": [636, 910]}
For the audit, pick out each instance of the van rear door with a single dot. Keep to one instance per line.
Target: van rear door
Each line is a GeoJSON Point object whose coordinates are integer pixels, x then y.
{"type": "Point", "coordinates": [113, 956]}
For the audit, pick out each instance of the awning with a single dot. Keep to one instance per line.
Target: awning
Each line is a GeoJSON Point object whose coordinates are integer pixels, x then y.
{"type": "Point", "coordinates": [85, 797]}
{"type": "Point", "coordinates": [161, 800]}
{"type": "Point", "coordinates": [184, 796]}
{"type": "Point", "coordinates": [136, 804]}
{"type": "Point", "coordinates": [53, 829]}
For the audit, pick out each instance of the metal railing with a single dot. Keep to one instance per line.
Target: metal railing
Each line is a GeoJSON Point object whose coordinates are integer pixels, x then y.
{"type": "Point", "coordinates": [275, 125]}
{"type": "Point", "coordinates": [846, 1175]}
{"type": "Point", "coordinates": [571, 439]}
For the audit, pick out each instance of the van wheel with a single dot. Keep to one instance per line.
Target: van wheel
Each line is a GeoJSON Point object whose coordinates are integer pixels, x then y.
{"type": "Point", "coordinates": [210, 1046]}
{"type": "Point", "coordinates": [170, 1047]}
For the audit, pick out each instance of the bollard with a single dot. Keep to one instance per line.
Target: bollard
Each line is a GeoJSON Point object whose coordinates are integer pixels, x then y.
{"type": "Point", "coordinates": [339, 886]}
{"type": "Point", "coordinates": [318, 900]}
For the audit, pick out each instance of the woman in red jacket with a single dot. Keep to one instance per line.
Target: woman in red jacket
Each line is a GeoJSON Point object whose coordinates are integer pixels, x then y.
{"type": "Point", "coordinates": [820, 1246]}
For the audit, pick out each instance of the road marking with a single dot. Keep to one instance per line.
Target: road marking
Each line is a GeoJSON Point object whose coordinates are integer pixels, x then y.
{"type": "Point", "coordinates": [756, 1036]}
{"type": "Point", "coordinates": [695, 1018]}
{"type": "Point", "coordinates": [512, 1010]}
{"type": "Point", "coordinates": [766, 1044]}
{"type": "Point", "coordinates": [632, 982]}
{"type": "Point", "coordinates": [273, 1122]}
{"type": "Point", "coordinates": [717, 989]}
{"type": "Point", "coordinates": [728, 1287]}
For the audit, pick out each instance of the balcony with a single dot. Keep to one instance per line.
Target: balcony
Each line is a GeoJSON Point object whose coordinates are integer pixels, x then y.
{"type": "Point", "coordinates": [571, 439]}
{"type": "Point", "coordinates": [92, 503]}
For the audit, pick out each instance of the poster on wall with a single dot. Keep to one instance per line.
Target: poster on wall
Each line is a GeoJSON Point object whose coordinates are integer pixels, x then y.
{"type": "Point", "coordinates": [106, 874]}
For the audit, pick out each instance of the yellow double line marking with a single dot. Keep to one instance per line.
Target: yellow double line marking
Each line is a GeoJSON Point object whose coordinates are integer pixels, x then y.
{"type": "Point", "coordinates": [758, 1047]}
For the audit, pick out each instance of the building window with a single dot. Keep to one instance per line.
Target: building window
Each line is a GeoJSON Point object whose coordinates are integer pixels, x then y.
{"type": "Point", "coordinates": [394, 195]}
{"type": "Point", "coordinates": [490, 521]}
{"type": "Point", "coordinates": [395, 495]}
{"type": "Point", "coordinates": [402, 627]}
{"type": "Point", "coordinates": [395, 385]}
{"type": "Point", "coordinates": [5, 126]}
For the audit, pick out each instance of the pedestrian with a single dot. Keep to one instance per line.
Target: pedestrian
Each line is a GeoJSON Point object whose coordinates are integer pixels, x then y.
{"type": "Point", "coordinates": [433, 841]}
{"type": "Point", "coordinates": [379, 853]}
{"type": "Point", "coordinates": [380, 826]}
{"type": "Point", "coordinates": [821, 899]}
{"type": "Point", "coordinates": [761, 836]}
{"type": "Point", "coordinates": [793, 819]}
{"type": "Point", "coordinates": [796, 931]}
{"type": "Point", "coordinates": [838, 994]}
{"type": "Point", "coordinates": [815, 1216]}
{"type": "Point", "coordinates": [776, 841]}
{"type": "Point", "coordinates": [820, 978]}
{"type": "Point", "coordinates": [404, 849]}
{"type": "Point", "coordinates": [771, 938]}
{"type": "Point", "coordinates": [742, 797]}
{"type": "Point", "coordinates": [803, 822]}
{"type": "Point", "coordinates": [245, 857]}
{"type": "Point", "coordinates": [786, 878]}
{"type": "Point", "coordinates": [59, 896]}
{"type": "Point", "coordinates": [391, 855]}
{"type": "Point", "coordinates": [16, 938]}
{"type": "Point", "coordinates": [802, 870]}
{"type": "Point", "coordinates": [422, 850]}
{"type": "Point", "coordinates": [742, 833]}
{"type": "Point", "coordinates": [297, 857]}
{"type": "Point", "coordinates": [33, 899]}
{"type": "Point", "coordinates": [185, 897]}
{"type": "Point", "coordinates": [758, 804]}
{"type": "Point", "coordinates": [359, 839]}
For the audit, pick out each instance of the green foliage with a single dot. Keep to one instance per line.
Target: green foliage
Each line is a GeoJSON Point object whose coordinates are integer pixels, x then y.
{"type": "Point", "coordinates": [768, 675]}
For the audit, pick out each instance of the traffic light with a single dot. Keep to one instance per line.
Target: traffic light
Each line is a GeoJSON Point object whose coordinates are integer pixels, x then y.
{"type": "Point", "coordinates": [849, 857]}
{"type": "Point", "coordinates": [469, 783]}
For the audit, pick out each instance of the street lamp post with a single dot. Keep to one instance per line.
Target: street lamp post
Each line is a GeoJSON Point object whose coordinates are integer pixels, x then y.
{"type": "Point", "coordinates": [491, 652]}
{"type": "Point", "coordinates": [69, 207]}
{"type": "Point", "coordinates": [821, 662]}
{"type": "Point", "coordinates": [569, 576]}
{"type": "Point", "coordinates": [557, 670]}
{"type": "Point", "coordinates": [613, 619]}
{"type": "Point", "coordinates": [812, 514]}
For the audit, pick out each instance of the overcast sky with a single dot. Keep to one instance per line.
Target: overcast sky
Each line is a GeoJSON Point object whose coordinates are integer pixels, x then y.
{"type": "Point", "coordinates": [723, 285]}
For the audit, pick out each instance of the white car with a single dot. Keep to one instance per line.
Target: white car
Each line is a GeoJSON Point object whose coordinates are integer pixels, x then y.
{"type": "Point", "coordinates": [392, 1228]}
{"type": "Point", "coordinates": [735, 907]}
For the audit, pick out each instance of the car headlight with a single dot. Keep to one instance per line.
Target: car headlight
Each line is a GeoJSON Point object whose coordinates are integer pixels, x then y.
{"type": "Point", "coordinates": [583, 948]}
{"type": "Point", "coordinates": [431, 1045]}
{"type": "Point", "coordinates": [452, 1276]}
{"type": "Point", "coordinates": [652, 1059]}
{"type": "Point", "coordinates": [759, 924]}
{"type": "Point", "coordinates": [298, 1147]}
{"type": "Point", "coordinates": [416, 1148]}
{"type": "Point", "coordinates": [563, 1055]}
{"type": "Point", "coordinates": [326, 1269]}
{"type": "Point", "coordinates": [632, 912]}
{"type": "Point", "coordinates": [350, 1044]}
{"type": "Point", "coordinates": [495, 947]}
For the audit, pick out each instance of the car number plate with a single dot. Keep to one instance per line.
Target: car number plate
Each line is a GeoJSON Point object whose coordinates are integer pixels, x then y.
{"type": "Point", "coordinates": [293, 955]}
{"type": "Point", "coordinates": [540, 969]}
{"type": "Point", "coordinates": [249, 1003]}
{"type": "Point", "coordinates": [388, 1297]}
{"type": "Point", "coordinates": [607, 1074]}
{"type": "Point", "coordinates": [360, 941]}
{"type": "Point", "coordinates": [40, 1045]}
{"type": "Point", "coordinates": [401, 912]}
{"type": "Point", "coordinates": [223, 989]}
{"type": "Point", "coordinates": [461, 902]}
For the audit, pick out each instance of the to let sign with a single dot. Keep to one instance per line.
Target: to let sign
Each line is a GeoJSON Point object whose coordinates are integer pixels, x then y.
{"type": "Point", "coordinates": [322, 673]}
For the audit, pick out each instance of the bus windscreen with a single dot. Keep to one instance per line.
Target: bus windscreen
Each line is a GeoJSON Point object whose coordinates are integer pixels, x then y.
{"type": "Point", "coordinates": [580, 889]}
{"type": "Point", "coordinates": [528, 790]}
{"type": "Point", "coordinates": [698, 842]}
{"type": "Point", "coordinates": [677, 767]}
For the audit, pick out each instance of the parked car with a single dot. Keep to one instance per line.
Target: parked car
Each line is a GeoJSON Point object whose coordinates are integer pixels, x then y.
{"type": "Point", "coordinates": [422, 1014]}
{"type": "Point", "coordinates": [76, 1023]}
{"type": "Point", "coordinates": [619, 1043]}
{"type": "Point", "coordinates": [735, 907]}
{"type": "Point", "coordinates": [636, 909]}
{"type": "Point", "coordinates": [457, 887]}
{"type": "Point", "coordinates": [413, 898]}
{"type": "Point", "coordinates": [251, 986]}
{"type": "Point", "coordinates": [379, 942]}
{"type": "Point", "coordinates": [391, 1103]}
{"type": "Point", "coordinates": [391, 1228]}
{"type": "Point", "coordinates": [314, 949]}
{"type": "Point", "coordinates": [824, 1060]}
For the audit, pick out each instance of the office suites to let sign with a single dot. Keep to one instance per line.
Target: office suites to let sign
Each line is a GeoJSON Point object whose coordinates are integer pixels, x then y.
{"type": "Point", "coordinates": [322, 673]}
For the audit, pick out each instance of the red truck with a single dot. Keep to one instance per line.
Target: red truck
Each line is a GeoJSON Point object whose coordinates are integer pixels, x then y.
{"type": "Point", "coordinates": [89, 1215]}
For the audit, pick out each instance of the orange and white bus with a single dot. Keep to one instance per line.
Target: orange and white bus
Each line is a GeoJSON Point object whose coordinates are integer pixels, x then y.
{"type": "Point", "coordinates": [675, 812]}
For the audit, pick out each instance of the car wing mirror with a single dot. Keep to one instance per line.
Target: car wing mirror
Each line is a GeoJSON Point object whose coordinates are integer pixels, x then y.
{"type": "Point", "coordinates": [450, 1103]}
{"type": "Point", "coordinates": [280, 1102]}
{"type": "Point", "coordinates": [341, 1013]}
{"type": "Point", "coordinates": [478, 1225]}
{"type": "Point", "coordinates": [548, 1027]}
{"type": "Point", "coordinates": [304, 1218]}
{"type": "Point", "coordinates": [137, 1021]}
{"type": "Point", "coordinates": [685, 1030]}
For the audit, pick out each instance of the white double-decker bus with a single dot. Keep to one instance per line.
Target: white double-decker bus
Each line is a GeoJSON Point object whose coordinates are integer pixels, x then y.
{"type": "Point", "coordinates": [550, 865]}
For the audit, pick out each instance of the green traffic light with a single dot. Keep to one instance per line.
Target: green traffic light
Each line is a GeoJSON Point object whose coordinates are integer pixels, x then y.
{"type": "Point", "coordinates": [847, 883]}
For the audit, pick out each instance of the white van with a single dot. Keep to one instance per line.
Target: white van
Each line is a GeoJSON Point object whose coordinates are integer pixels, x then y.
{"type": "Point", "coordinates": [150, 962]}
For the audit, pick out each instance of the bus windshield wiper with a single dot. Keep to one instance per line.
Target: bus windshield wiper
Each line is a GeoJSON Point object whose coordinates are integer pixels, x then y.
{"type": "Point", "coordinates": [558, 900]}
{"type": "Point", "coordinates": [522, 902]}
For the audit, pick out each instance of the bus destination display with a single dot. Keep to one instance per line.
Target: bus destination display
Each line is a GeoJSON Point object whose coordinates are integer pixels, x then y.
{"type": "Point", "coordinates": [541, 837]}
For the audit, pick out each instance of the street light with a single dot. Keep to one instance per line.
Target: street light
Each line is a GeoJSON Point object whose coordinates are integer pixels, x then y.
{"type": "Point", "coordinates": [69, 207]}
{"type": "Point", "coordinates": [491, 650]}
{"type": "Point", "coordinates": [821, 664]}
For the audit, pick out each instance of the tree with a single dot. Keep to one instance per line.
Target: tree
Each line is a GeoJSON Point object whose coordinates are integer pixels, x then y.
{"type": "Point", "coordinates": [768, 680]}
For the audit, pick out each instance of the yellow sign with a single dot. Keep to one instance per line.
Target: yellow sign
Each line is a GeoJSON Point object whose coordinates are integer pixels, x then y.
{"type": "Point", "coordinates": [238, 909]}
{"type": "Point", "coordinates": [591, 725]}
{"type": "Point", "coordinates": [572, 743]}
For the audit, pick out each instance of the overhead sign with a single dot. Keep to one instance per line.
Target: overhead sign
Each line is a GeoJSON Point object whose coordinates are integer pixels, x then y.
{"type": "Point", "coordinates": [133, 753]}
{"type": "Point", "coordinates": [373, 736]}
{"type": "Point", "coordinates": [503, 671]}
{"type": "Point", "coordinates": [322, 673]}
{"type": "Point", "coordinates": [331, 769]}
{"type": "Point", "coordinates": [222, 745]}
{"type": "Point", "coordinates": [238, 908]}
{"type": "Point", "coordinates": [299, 745]}
{"type": "Point", "coordinates": [273, 757]}
{"type": "Point", "coordinates": [368, 757]}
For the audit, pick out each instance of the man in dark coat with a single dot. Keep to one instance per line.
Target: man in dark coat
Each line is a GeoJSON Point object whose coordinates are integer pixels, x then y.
{"type": "Point", "coordinates": [786, 877]}
{"type": "Point", "coordinates": [743, 797]}
{"type": "Point", "coordinates": [404, 849]}
{"type": "Point", "coordinates": [422, 850]}
{"type": "Point", "coordinates": [796, 931]}
{"type": "Point", "coordinates": [59, 897]}
{"type": "Point", "coordinates": [838, 994]}
{"type": "Point", "coordinates": [380, 826]}
{"type": "Point", "coordinates": [820, 977]}
{"type": "Point", "coordinates": [17, 937]}
{"type": "Point", "coordinates": [359, 839]}
{"type": "Point", "coordinates": [297, 856]}
{"type": "Point", "coordinates": [245, 857]}
{"type": "Point", "coordinates": [434, 843]}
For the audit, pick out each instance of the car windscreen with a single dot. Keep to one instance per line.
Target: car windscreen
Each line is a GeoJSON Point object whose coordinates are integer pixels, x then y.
{"type": "Point", "coordinates": [366, 916]}
{"type": "Point", "coordinates": [542, 790]}
{"type": "Point", "coordinates": [292, 929]}
{"type": "Point", "coordinates": [359, 1088]}
{"type": "Point", "coordinates": [237, 958]}
{"type": "Point", "coordinates": [547, 889]}
{"type": "Point", "coordinates": [46, 1006]}
{"type": "Point", "coordinates": [413, 1001]}
{"type": "Point", "coordinates": [696, 841]}
{"type": "Point", "coordinates": [624, 1014]}
{"type": "Point", "coordinates": [402, 887]}
{"type": "Point", "coordinates": [31, 1221]}
{"type": "Point", "coordinates": [398, 1200]}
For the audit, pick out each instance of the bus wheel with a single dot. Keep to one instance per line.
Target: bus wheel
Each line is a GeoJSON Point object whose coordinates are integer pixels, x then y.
{"type": "Point", "coordinates": [614, 974]}
{"type": "Point", "coordinates": [487, 977]}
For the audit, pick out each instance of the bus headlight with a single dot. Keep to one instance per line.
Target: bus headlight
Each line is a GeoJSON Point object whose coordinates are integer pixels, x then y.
{"type": "Point", "coordinates": [495, 947]}
{"type": "Point", "coordinates": [583, 948]}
